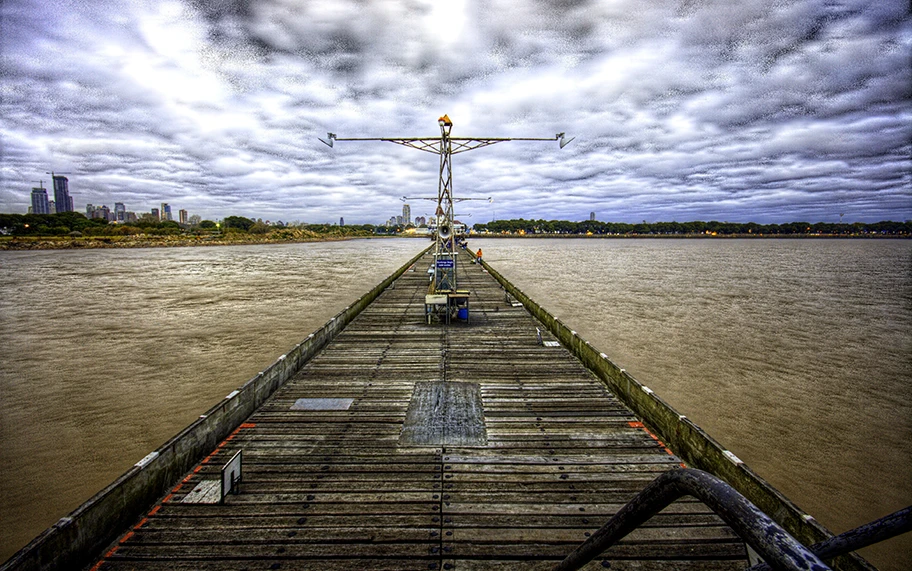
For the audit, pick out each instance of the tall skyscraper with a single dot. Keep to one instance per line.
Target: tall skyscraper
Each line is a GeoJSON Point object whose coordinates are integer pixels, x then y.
{"type": "Point", "coordinates": [166, 212]}
{"type": "Point", "coordinates": [40, 201]}
{"type": "Point", "coordinates": [62, 194]}
{"type": "Point", "coordinates": [406, 214]}
{"type": "Point", "coordinates": [183, 216]}
{"type": "Point", "coordinates": [341, 221]}
{"type": "Point", "coordinates": [120, 212]}
{"type": "Point", "coordinates": [592, 216]}
{"type": "Point", "coordinates": [155, 214]}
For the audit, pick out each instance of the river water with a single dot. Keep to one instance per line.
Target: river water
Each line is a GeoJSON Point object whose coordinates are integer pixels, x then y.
{"type": "Point", "coordinates": [794, 354]}
{"type": "Point", "coordinates": [106, 354]}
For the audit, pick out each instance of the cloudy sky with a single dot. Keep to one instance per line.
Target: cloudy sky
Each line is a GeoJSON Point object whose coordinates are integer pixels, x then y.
{"type": "Point", "coordinates": [691, 110]}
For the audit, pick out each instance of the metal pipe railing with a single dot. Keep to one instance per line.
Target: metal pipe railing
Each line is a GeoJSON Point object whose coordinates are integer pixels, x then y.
{"type": "Point", "coordinates": [884, 528]}
{"type": "Point", "coordinates": [766, 537]}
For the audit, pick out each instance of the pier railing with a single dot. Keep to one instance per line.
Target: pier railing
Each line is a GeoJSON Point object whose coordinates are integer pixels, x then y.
{"type": "Point", "coordinates": [75, 539]}
{"type": "Point", "coordinates": [680, 434]}
{"type": "Point", "coordinates": [776, 546]}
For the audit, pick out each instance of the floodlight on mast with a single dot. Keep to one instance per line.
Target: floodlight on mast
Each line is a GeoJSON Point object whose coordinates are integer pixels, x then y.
{"type": "Point", "coordinates": [444, 281]}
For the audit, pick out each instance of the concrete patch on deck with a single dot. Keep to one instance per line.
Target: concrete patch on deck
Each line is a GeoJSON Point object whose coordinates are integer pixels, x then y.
{"type": "Point", "coordinates": [322, 404]}
{"type": "Point", "coordinates": [444, 414]}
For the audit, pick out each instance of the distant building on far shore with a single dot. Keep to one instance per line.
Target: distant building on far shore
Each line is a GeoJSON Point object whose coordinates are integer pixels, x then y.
{"type": "Point", "coordinates": [592, 216]}
{"type": "Point", "coordinates": [62, 199]}
{"type": "Point", "coordinates": [40, 204]}
{"type": "Point", "coordinates": [183, 216]}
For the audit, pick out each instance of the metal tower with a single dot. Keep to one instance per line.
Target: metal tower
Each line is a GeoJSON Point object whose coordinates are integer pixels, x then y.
{"type": "Point", "coordinates": [443, 293]}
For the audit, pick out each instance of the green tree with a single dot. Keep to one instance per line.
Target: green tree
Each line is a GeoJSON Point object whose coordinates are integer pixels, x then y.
{"type": "Point", "coordinates": [237, 223]}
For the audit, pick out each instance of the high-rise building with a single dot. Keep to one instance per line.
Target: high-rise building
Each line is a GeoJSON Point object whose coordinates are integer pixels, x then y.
{"type": "Point", "coordinates": [62, 198]}
{"type": "Point", "coordinates": [40, 203]}
{"type": "Point", "coordinates": [341, 221]}
{"type": "Point", "coordinates": [406, 214]}
{"type": "Point", "coordinates": [155, 214]}
{"type": "Point", "coordinates": [166, 212]}
{"type": "Point", "coordinates": [183, 216]}
{"type": "Point", "coordinates": [120, 212]}
{"type": "Point", "coordinates": [100, 212]}
{"type": "Point", "coordinates": [592, 216]}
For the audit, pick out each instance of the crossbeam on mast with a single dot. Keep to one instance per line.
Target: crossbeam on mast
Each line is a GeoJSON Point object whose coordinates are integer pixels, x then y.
{"type": "Point", "coordinates": [444, 281]}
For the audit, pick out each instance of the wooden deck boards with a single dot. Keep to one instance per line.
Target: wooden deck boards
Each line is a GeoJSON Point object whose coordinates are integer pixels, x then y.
{"type": "Point", "coordinates": [337, 489]}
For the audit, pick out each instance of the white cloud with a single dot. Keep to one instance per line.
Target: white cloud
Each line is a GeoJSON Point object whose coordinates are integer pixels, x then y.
{"type": "Point", "coordinates": [710, 110]}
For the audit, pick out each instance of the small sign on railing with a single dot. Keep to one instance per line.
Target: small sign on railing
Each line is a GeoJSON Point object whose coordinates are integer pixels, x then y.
{"type": "Point", "coordinates": [231, 476]}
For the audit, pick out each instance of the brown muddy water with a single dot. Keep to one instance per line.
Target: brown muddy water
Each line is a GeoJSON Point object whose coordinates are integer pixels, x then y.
{"type": "Point", "coordinates": [794, 354]}
{"type": "Point", "coordinates": [106, 354]}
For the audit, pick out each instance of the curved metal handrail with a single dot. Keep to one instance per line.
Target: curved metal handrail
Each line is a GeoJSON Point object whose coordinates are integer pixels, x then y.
{"type": "Point", "coordinates": [868, 534]}
{"type": "Point", "coordinates": [775, 545]}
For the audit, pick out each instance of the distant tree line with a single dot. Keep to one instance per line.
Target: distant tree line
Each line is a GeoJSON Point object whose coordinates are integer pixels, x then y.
{"type": "Point", "coordinates": [595, 227]}
{"type": "Point", "coordinates": [76, 224]}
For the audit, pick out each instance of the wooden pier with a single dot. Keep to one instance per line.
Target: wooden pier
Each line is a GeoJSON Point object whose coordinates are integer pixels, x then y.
{"type": "Point", "coordinates": [403, 445]}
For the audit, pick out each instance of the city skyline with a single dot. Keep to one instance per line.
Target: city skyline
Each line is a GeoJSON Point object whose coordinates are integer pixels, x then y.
{"type": "Point", "coordinates": [163, 213]}
{"type": "Point", "coordinates": [768, 112]}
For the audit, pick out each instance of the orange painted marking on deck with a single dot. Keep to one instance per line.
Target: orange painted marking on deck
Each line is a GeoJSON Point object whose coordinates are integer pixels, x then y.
{"type": "Point", "coordinates": [106, 555]}
{"type": "Point", "coordinates": [127, 536]}
{"type": "Point", "coordinates": [167, 498]}
{"type": "Point", "coordinates": [187, 479]}
{"type": "Point", "coordinates": [141, 523]}
{"type": "Point", "coordinates": [195, 470]}
{"type": "Point", "coordinates": [637, 424]}
{"type": "Point", "coordinates": [248, 425]}
{"type": "Point", "coordinates": [155, 510]}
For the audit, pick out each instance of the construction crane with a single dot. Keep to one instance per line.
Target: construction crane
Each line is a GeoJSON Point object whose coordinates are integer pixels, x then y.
{"type": "Point", "coordinates": [444, 299]}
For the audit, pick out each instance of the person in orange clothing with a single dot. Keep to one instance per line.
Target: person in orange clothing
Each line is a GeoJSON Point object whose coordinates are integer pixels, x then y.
{"type": "Point", "coordinates": [478, 256]}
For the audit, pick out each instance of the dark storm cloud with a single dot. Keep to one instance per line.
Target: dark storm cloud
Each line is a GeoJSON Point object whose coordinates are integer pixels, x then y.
{"type": "Point", "coordinates": [740, 111]}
